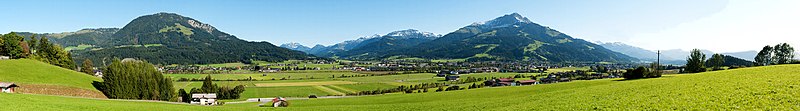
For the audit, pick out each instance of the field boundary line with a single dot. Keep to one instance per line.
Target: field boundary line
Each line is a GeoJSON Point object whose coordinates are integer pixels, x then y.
{"type": "Point", "coordinates": [342, 88]}
{"type": "Point", "coordinates": [329, 90]}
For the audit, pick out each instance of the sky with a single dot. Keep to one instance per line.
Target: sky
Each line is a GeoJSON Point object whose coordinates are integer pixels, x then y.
{"type": "Point", "coordinates": [716, 25]}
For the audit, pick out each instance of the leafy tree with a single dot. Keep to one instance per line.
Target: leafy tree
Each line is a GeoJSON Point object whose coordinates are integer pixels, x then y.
{"type": "Point", "coordinates": [764, 56]}
{"type": "Point", "coordinates": [695, 61]}
{"type": "Point", "coordinates": [11, 45]}
{"type": "Point", "coordinates": [87, 67]}
{"type": "Point", "coordinates": [783, 53]}
{"type": "Point", "coordinates": [717, 60]}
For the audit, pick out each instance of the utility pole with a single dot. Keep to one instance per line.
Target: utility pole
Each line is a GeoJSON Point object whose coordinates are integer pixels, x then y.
{"type": "Point", "coordinates": [658, 60]}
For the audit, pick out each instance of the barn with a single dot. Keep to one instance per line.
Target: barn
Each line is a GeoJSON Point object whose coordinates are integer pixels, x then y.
{"type": "Point", "coordinates": [8, 87]}
{"type": "Point", "coordinates": [204, 99]}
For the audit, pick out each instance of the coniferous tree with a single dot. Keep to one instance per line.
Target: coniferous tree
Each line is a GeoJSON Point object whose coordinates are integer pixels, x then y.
{"type": "Point", "coordinates": [87, 67]}
{"type": "Point", "coordinates": [695, 61]}
{"type": "Point", "coordinates": [32, 43]}
{"type": "Point", "coordinates": [134, 80]}
{"type": "Point", "coordinates": [208, 86]}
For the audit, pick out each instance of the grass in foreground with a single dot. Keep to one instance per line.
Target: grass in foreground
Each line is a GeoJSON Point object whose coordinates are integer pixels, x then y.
{"type": "Point", "coordinates": [759, 88]}
{"type": "Point", "coordinates": [25, 71]}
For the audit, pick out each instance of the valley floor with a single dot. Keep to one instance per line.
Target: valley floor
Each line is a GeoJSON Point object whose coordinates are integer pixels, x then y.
{"type": "Point", "coordinates": [757, 88]}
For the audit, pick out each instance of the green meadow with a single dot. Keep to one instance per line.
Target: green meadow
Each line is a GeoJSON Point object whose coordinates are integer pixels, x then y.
{"type": "Point", "coordinates": [756, 88]}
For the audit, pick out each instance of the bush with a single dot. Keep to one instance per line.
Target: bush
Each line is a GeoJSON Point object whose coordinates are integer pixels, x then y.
{"type": "Point", "coordinates": [640, 72]}
{"type": "Point", "coordinates": [312, 96]}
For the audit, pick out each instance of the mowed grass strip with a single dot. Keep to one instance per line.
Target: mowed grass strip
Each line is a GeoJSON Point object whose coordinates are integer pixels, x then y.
{"type": "Point", "coordinates": [329, 90]}
{"type": "Point", "coordinates": [289, 91]}
{"type": "Point", "coordinates": [303, 83]}
{"type": "Point", "coordinates": [341, 89]}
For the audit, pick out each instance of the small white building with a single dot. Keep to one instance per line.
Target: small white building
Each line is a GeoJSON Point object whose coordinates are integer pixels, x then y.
{"type": "Point", "coordinates": [204, 99]}
{"type": "Point", "coordinates": [4, 57]}
{"type": "Point", "coordinates": [7, 87]}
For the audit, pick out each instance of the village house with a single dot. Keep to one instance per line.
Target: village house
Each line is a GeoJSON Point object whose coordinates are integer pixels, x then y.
{"type": "Point", "coordinates": [204, 99]}
{"type": "Point", "coordinates": [501, 82]}
{"type": "Point", "coordinates": [4, 57]}
{"type": "Point", "coordinates": [528, 82]}
{"type": "Point", "coordinates": [8, 87]}
{"type": "Point", "coordinates": [452, 77]}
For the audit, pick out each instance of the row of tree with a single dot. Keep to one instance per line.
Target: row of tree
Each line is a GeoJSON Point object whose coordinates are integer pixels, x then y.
{"type": "Point", "coordinates": [16, 47]}
{"type": "Point", "coordinates": [779, 54]}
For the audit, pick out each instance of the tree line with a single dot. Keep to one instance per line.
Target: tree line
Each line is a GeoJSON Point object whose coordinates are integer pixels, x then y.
{"type": "Point", "coordinates": [779, 54]}
{"type": "Point", "coordinates": [17, 47]}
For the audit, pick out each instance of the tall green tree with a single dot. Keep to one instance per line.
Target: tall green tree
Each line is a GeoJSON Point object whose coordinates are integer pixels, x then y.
{"type": "Point", "coordinates": [32, 43]}
{"type": "Point", "coordinates": [764, 57]}
{"type": "Point", "coordinates": [11, 45]}
{"type": "Point", "coordinates": [208, 86]}
{"type": "Point", "coordinates": [2, 45]}
{"type": "Point", "coordinates": [717, 60]}
{"type": "Point", "coordinates": [134, 80]}
{"type": "Point", "coordinates": [87, 67]}
{"type": "Point", "coordinates": [695, 62]}
{"type": "Point", "coordinates": [783, 53]}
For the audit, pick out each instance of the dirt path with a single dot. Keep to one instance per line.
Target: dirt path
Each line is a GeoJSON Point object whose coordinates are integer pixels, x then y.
{"type": "Point", "coordinates": [329, 90]}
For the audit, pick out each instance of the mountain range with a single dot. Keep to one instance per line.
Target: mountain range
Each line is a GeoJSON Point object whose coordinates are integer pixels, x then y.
{"type": "Point", "coordinates": [510, 37]}
{"type": "Point", "coordinates": [168, 38]}
{"type": "Point", "coordinates": [672, 56]}
{"type": "Point", "coordinates": [506, 38]}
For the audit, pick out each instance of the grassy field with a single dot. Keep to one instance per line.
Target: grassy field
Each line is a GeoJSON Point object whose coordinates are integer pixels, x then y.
{"type": "Point", "coordinates": [25, 71]}
{"type": "Point", "coordinates": [266, 76]}
{"type": "Point", "coordinates": [762, 88]}
{"type": "Point", "coordinates": [758, 88]}
{"type": "Point", "coordinates": [565, 69]}
{"type": "Point", "coordinates": [41, 78]}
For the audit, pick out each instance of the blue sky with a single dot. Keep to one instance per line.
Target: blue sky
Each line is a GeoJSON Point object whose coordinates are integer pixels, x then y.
{"type": "Point", "coordinates": [651, 24]}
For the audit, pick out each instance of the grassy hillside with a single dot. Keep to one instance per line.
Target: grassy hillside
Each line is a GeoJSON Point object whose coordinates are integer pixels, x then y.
{"type": "Point", "coordinates": [25, 71]}
{"type": "Point", "coordinates": [769, 88]}
{"type": "Point", "coordinates": [759, 88]}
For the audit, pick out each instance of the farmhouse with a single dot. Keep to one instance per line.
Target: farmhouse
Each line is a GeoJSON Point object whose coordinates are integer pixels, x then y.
{"type": "Point", "coordinates": [7, 87]}
{"type": "Point", "coordinates": [452, 78]}
{"type": "Point", "coordinates": [501, 82]}
{"type": "Point", "coordinates": [204, 99]}
{"type": "Point", "coordinates": [527, 82]}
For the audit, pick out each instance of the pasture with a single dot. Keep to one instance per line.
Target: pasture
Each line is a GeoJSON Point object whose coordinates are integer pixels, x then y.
{"type": "Point", "coordinates": [756, 88]}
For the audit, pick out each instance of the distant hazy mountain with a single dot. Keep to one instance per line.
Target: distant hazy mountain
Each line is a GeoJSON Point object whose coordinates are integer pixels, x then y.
{"type": "Point", "coordinates": [374, 43]}
{"type": "Point", "coordinates": [98, 37]}
{"type": "Point", "coordinates": [673, 56]}
{"type": "Point", "coordinates": [296, 46]}
{"type": "Point", "coordinates": [746, 55]}
{"type": "Point", "coordinates": [507, 38]}
{"type": "Point", "coordinates": [632, 51]}
{"type": "Point", "coordinates": [169, 38]}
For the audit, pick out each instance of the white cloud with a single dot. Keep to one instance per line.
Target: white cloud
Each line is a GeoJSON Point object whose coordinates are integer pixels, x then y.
{"type": "Point", "coordinates": [742, 25]}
